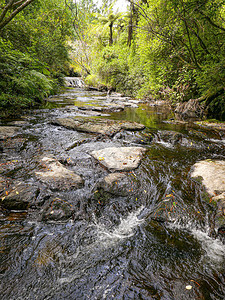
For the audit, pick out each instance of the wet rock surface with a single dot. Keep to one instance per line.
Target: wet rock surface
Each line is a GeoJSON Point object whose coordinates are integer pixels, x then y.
{"type": "Point", "coordinates": [171, 136]}
{"type": "Point", "coordinates": [101, 126]}
{"type": "Point", "coordinates": [121, 158]}
{"type": "Point", "coordinates": [57, 210]}
{"type": "Point", "coordinates": [118, 184]}
{"type": "Point", "coordinates": [81, 242]}
{"type": "Point", "coordinates": [20, 196]}
{"type": "Point", "coordinates": [213, 174]}
{"type": "Point", "coordinates": [106, 108]}
{"type": "Point", "coordinates": [57, 177]}
{"type": "Point", "coordinates": [8, 131]}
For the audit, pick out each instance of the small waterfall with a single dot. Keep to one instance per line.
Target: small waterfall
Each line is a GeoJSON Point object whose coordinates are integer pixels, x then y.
{"type": "Point", "coordinates": [74, 82]}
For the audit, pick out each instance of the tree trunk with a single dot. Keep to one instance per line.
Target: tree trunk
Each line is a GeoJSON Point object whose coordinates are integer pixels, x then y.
{"type": "Point", "coordinates": [110, 34]}
{"type": "Point", "coordinates": [130, 26]}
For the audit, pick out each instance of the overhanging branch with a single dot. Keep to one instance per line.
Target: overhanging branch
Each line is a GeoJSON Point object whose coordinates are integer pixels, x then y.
{"type": "Point", "coordinates": [17, 7]}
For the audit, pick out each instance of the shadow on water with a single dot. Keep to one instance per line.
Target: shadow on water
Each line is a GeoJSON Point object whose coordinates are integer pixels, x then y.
{"type": "Point", "coordinates": [151, 243]}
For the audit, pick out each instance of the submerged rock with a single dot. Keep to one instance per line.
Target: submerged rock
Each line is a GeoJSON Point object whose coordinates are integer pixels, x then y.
{"type": "Point", "coordinates": [108, 107]}
{"type": "Point", "coordinates": [8, 131]}
{"type": "Point", "coordinates": [102, 126]}
{"type": "Point", "coordinates": [220, 214]}
{"type": "Point", "coordinates": [57, 177]}
{"type": "Point", "coordinates": [13, 143]}
{"type": "Point", "coordinates": [3, 181]}
{"type": "Point", "coordinates": [172, 137]}
{"type": "Point", "coordinates": [57, 210]}
{"type": "Point", "coordinates": [121, 158]}
{"type": "Point", "coordinates": [213, 175]}
{"type": "Point", "coordinates": [114, 184]}
{"type": "Point", "coordinates": [220, 199]}
{"type": "Point", "coordinates": [20, 196]}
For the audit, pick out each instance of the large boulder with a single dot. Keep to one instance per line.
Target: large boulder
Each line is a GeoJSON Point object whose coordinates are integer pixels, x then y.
{"type": "Point", "coordinates": [213, 175]}
{"type": "Point", "coordinates": [102, 126]}
{"type": "Point", "coordinates": [58, 177]}
{"type": "Point", "coordinates": [114, 184]}
{"type": "Point", "coordinates": [119, 159]}
{"type": "Point", "coordinates": [8, 131]}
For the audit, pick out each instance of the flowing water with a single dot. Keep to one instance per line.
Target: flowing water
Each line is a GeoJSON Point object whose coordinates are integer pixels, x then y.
{"type": "Point", "coordinates": [113, 248]}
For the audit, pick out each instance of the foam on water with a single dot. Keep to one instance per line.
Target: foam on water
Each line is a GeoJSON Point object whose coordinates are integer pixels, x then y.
{"type": "Point", "coordinates": [124, 230]}
{"type": "Point", "coordinates": [165, 144]}
{"type": "Point", "coordinates": [213, 248]}
{"type": "Point", "coordinates": [217, 141]}
{"type": "Point", "coordinates": [105, 238]}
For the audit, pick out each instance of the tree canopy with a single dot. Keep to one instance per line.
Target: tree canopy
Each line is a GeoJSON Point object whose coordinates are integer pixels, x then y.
{"type": "Point", "coordinates": [161, 49]}
{"type": "Point", "coordinates": [170, 49]}
{"type": "Point", "coordinates": [33, 50]}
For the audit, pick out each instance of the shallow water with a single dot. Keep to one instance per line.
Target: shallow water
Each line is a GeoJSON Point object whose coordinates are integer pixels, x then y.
{"type": "Point", "coordinates": [113, 248]}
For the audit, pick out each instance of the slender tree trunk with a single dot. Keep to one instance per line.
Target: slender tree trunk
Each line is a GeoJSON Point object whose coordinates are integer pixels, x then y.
{"type": "Point", "coordinates": [17, 6]}
{"type": "Point", "coordinates": [110, 34]}
{"type": "Point", "coordinates": [130, 26]}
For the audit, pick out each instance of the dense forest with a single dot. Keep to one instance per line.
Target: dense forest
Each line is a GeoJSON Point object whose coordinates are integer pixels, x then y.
{"type": "Point", "coordinates": [162, 49]}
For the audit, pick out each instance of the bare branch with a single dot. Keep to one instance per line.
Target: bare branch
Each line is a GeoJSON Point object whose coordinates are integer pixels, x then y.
{"type": "Point", "coordinates": [5, 9]}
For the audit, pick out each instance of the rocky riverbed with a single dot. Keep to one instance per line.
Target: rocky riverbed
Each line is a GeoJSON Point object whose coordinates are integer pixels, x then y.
{"type": "Point", "coordinates": [103, 191]}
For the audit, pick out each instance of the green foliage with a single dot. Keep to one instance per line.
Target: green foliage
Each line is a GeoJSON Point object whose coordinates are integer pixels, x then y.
{"type": "Point", "coordinates": [164, 49]}
{"type": "Point", "coordinates": [34, 53]}
{"type": "Point", "coordinates": [22, 78]}
{"type": "Point", "coordinates": [92, 80]}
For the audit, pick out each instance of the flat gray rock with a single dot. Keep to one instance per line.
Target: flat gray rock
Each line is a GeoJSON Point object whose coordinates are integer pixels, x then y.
{"type": "Point", "coordinates": [119, 159]}
{"type": "Point", "coordinates": [8, 131]}
{"type": "Point", "coordinates": [108, 107]}
{"type": "Point", "coordinates": [101, 126]}
{"type": "Point", "coordinates": [213, 175]}
{"type": "Point", "coordinates": [57, 176]}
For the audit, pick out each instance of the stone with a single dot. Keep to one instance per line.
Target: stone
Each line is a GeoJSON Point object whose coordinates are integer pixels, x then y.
{"type": "Point", "coordinates": [108, 107]}
{"type": "Point", "coordinates": [20, 196]}
{"type": "Point", "coordinates": [13, 143]}
{"type": "Point", "coordinates": [119, 159]}
{"type": "Point", "coordinates": [2, 184]}
{"type": "Point", "coordinates": [171, 136]}
{"type": "Point", "coordinates": [100, 126]}
{"type": "Point", "coordinates": [58, 177]}
{"type": "Point", "coordinates": [213, 175]}
{"type": "Point", "coordinates": [57, 210]}
{"type": "Point", "coordinates": [114, 183]}
{"type": "Point", "coordinates": [8, 131]}
{"type": "Point", "coordinates": [191, 109]}
{"type": "Point", "coordinates": [207, 124]}
{"type": "Point", "coordinates": [220, 199]}
{"type": "Point", "coordinates": [19, 123]}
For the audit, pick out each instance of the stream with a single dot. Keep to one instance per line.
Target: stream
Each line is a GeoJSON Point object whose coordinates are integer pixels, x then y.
{"type": "Point", "coordinates": [112, 246]}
